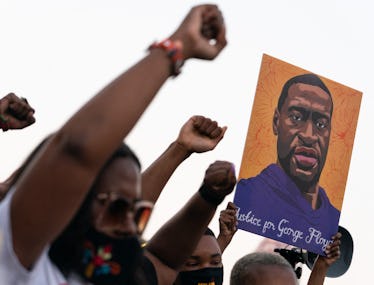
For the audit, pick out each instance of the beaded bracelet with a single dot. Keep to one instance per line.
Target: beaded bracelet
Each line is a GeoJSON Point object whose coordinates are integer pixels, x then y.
{"type": "Point", "coordinates": [174, 52]}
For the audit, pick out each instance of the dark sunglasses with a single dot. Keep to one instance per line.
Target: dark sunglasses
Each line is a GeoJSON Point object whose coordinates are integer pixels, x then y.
{"type": "Point", "coordinates": [116, 205]}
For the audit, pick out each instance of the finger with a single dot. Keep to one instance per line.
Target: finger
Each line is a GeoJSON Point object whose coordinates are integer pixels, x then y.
{"type": "Point", "coordinates": [231, 205]}
{"type": "Point", "coordinates": [25, 100]}
{"type": "Point", "coordinates": [216, 132]}
{"type": "Point", "coordinates": [205, 125]}
{"type": "Point", "coordinates": [229, 212]}
{"type": "Point", "coordinates": [20, 107]}
{"type": "Point", "coordinates": [4, 123]}
{"type": "Point", "coordinates": [338, 235]}
{"type": "Point", "coordinates": [4, 103]}
{"type": "Point", "coordinates": [212, 129]}
{"type": "Point", "coordinates": [334, 255]}
{"type": "Point", "coordinates": [214, 27]}
{"type": "Point", "coordinates": [224, 219]}
{"type": "Point", "coordinates": [197, 121]}
{"type": "Point", "coordinates": [30, 118]}
{"type": "Point", "coordinates": [17, 110]}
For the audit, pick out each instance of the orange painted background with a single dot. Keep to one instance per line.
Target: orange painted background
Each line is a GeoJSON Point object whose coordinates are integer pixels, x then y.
{"type": "Point", "coordinates": [260, 146]}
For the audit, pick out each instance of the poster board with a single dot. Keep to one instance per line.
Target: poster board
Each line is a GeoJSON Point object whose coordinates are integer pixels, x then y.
{"type": "Point", "coordinates": [290, 201]}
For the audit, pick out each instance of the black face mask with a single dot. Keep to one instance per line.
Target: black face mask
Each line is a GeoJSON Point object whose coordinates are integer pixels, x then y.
{"type": "Point", "coordinates": [108, 260]}
{"type": "Point", "coordinates": [205, 276]}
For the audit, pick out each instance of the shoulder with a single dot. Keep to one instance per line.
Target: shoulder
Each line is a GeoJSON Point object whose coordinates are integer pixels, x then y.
{"type": "Point", "coordinates": [261, 177]}
{"type": "Point", "coordinates": [325, 199]}
{"type": "Point", "coordinates": [11, 270]}
{"type": "Point", "coordinates": [158, 273]}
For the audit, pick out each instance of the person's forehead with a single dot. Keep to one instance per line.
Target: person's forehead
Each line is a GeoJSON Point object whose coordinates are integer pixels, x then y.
{"type": "Point", "coordinates": [207, 246]}
{"type": "Point", "coordinates": [307, 91]}
{"type": "Point", "coordinates": [309, 96]}
{"type": "Point", "coordinates": [121, 176]}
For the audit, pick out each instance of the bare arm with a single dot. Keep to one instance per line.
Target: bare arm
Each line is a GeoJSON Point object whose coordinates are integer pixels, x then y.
{"type": "Point", "coordinates": [198, 134]}
{"type": "Point", "coordinates": [227, 226]}
{"type": "Point", "coordinates": [52, 189]}
{"type": "Point", "coordinates": [177, 239]}
{"type": "Point", "coordinates": [322, 263]}
{"type": "Point", "coordinates": [5, 185]}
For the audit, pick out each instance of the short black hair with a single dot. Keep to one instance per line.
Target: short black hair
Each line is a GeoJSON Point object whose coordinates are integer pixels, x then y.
{"type": "Point", "coordinates": [308, 78]}
{"type": "Point", "coordinates": [242, 271]}
{"type": "Point", "coordinates": [209, 232]}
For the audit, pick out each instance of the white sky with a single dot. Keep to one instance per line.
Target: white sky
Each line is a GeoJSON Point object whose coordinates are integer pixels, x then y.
{"type": "Point", "coordinates": [58, 54]}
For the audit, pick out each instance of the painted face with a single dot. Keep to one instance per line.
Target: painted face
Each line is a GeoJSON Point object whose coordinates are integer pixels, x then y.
{"type": "Point", "coordinates": [303, 127]}
{"type": "Point", "coordinates": [271, 275]}
{"type": "Point", "coordinates": [117, 196]}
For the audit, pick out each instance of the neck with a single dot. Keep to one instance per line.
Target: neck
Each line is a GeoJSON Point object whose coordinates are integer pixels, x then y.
{"type": "Point", "coordinates": [312, 197]}
{"type": "Point", "coordinates": [308, 189]}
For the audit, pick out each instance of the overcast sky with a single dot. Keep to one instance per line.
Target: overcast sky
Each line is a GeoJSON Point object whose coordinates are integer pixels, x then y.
{"type": "Point", "coordinates": [58, 54]}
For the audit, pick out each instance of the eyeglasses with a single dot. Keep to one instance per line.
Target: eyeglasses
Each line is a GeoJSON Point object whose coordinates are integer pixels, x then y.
{"type": "Point", "coordinates": [117, 205]}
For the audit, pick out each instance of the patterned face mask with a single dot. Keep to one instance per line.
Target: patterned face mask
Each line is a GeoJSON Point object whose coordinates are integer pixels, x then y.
{"type": "Point", "coordinates": [205, 276]}
{"type": "Point", "coordinates": [108, 260]}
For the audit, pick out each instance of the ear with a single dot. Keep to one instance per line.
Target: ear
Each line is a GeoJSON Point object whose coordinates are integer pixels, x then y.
{"type": "Point", "coordinates": [275, 121]}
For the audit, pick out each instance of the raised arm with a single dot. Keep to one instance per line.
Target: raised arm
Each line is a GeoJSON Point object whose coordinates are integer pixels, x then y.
{"type": "Point", "coordinates": [15, 113]}
{"type": "Point", "coordinates": [322, 263]}
{"type": "Point", "coordinates": [198, 134]}
{"type": "Point", "coordinates": [51, 191]}
{"type": "Point", "coordinates": [228, 223]}
{"type": "Point", "coordinates": [176, 240]}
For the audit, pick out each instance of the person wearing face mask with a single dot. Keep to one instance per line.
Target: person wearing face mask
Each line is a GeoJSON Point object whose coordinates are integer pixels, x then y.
{"type": "Point", "coordinates": [205, 265]}
{"type": "Point", "coordinates": [270, 268]}
{"type": "Point", "coordinates": [80, 242]}
{"type": "Point", "coordinates": [82, 250]}
{"type": "Point", "coordinates": [72, 167]}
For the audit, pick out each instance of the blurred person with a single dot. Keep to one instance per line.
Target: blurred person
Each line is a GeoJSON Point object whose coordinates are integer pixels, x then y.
{"type": "Point", "coordinates": [97, 231]}
{"type": "Point", "coordinates": [262, 268]}
{"type": "Point", "coordinates": [205, 265]}
{"type": "Point", "coordinates": [271, 268]}
{"type": "Point", "coordinates": [49, 194]}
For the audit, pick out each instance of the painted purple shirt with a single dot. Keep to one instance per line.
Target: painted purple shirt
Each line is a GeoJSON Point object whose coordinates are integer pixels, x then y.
{"type": "Point", "coordinates": [271, 205]}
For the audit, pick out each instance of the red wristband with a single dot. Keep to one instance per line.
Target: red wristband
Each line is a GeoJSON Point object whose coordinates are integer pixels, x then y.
{"type": "Point", "coordinates": [174, 52]}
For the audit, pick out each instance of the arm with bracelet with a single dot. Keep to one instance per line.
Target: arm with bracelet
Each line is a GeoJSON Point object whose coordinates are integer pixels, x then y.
{"type": "Point", "coordinates": [175, 241]}
{"type": "Point", "coordinates": [62, 173]}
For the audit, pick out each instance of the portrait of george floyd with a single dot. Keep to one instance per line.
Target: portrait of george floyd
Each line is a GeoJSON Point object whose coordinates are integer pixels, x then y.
{"type": "Point", "coordinates": [296, 156]}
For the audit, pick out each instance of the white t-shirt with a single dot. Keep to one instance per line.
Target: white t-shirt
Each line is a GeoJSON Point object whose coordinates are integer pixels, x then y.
{"type": "Point", "coordinates": [11, 271]}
